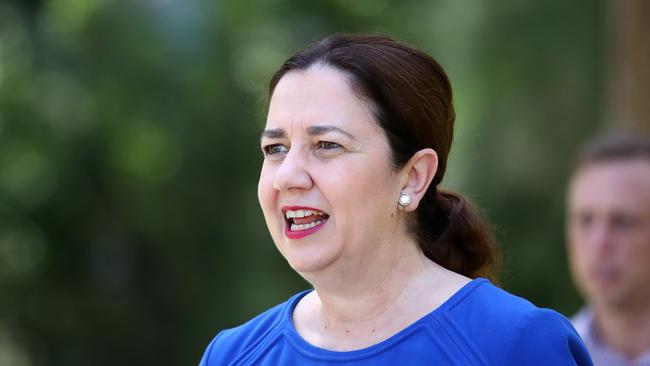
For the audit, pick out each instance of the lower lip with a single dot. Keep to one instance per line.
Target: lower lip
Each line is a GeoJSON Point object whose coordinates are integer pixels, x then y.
{"type": "Point", "coordinates": [301, 233]}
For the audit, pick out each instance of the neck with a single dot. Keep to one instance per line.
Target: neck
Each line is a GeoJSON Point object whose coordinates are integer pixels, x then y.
{"type": "Point", "coordinates": [625, 330]}
{"type": "Point", "coordinates": [363, 303]}
{"type": "Point", "coordinates": [362, 286]}
{"type": "Point", "coordinates": [373, 294]}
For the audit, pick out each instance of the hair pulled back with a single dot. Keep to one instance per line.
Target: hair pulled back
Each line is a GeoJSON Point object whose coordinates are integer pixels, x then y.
{"type": "Point", "coordinates": [411, 100]}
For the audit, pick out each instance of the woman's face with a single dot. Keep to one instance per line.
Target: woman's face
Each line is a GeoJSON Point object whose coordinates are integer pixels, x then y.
{"type": "Point", "coordinates": [327, 189]}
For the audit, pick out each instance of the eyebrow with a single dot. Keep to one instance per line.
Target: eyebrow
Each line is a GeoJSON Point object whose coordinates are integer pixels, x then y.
{"type": "Point", "coordinates": [276, 133]}
{"type": "Point", "coordinates": [321, 130]}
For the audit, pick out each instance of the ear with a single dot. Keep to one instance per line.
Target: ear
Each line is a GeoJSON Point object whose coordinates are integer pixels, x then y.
{"type": "Point", "coordinates": [418, 174]}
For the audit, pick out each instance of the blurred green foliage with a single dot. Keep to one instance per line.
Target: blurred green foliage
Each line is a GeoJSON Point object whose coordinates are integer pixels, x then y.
{"type": "Point", "coordinates": [129, 226]}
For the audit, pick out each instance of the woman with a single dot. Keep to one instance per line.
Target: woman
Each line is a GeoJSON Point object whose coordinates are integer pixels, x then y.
{"type": "Point", "coordinates": [355, 146]}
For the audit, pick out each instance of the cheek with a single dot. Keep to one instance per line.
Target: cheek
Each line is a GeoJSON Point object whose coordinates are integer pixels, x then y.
{"type": "Point", "coordinates": [579, 256]}
{"type": "Point", "coordinates": [578, 242]}
{"type": "Point", "coordinates": [576, 257]}
{"type": "Point", "coordinates": [359, 194]}
{"type": "Point", "coordinates": [350, 183]}
{"type": "Point", "coordinates": [638, 256]}
{"type": "Point", "coordinates": [265, 192]}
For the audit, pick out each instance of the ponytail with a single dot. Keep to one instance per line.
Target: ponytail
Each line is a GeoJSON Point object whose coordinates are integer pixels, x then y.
{"type": "Point", "coordinates": [454, 235]}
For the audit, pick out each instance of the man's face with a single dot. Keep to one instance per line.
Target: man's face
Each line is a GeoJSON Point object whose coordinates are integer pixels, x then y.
{"type": "Point", "coordinates": [608, 232]}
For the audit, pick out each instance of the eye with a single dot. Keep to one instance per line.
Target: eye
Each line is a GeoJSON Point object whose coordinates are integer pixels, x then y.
{"type": "Point", "coordinates": [624, 221]}
{"type": "Point", "coordinates": [582, 219]}
{"type": "Point", "coordinates": [274, 149]}
{"type": "Point", "coordinates": [328, 145]}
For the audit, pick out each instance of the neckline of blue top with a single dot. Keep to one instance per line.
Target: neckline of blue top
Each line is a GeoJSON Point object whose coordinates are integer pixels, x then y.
{"type": "Point", "coordinates": [324, 354]}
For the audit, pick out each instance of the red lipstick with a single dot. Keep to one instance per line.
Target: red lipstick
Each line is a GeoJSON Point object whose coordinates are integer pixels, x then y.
{"type": "Point", "coordinates": [298, 234]}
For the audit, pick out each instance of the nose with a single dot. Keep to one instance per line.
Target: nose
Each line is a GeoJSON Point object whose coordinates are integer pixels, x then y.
{"type": "Point", "coordinates": [293, 173]}
{"type": "Point", "coordinates": [599, 239]}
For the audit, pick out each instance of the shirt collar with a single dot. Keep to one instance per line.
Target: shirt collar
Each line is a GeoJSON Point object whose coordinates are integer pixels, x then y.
{"type": "Point", "coordinates": [584, 322]}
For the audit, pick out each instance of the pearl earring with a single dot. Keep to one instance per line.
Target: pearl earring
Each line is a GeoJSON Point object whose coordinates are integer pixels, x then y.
{"type": "Point", "coordinates": [404, 199]}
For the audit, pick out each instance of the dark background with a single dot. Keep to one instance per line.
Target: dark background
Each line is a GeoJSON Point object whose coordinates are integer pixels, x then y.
{"type": "Point", "coordinates": [130, 231]}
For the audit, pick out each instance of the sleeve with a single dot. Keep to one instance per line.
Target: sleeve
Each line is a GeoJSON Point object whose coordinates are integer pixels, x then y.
{"type": "Point", "coordinates": [205, 360]}
{"type": "Point", "coordinates": [544, 337]}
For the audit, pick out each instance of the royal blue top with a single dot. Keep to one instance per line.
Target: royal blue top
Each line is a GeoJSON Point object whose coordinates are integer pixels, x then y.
{"type": "Point", "coordinates": [479, 325]}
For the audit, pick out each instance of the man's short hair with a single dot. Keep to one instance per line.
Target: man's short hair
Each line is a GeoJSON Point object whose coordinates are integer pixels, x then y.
{"type": "Point", "coordinates": [614, 146]}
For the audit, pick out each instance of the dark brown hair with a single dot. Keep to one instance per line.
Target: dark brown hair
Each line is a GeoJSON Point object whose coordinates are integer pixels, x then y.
{"type": "Point", "coordinates": [614, 146]}
{"type": "Point", "coordinates": [412, 101]}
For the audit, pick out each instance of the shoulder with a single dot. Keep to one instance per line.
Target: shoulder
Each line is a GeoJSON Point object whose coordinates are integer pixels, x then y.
{"type": "Point", "coordinates": [509, 330]}
{"type": "Point", "coordinates": [544, 337]}
{"type": "Point", "coordinates": [480, 302]}
{"type": "Point", "coordinates": [236, 342]}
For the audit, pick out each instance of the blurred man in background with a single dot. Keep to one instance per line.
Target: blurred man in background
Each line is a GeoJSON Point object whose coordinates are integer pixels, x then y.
{"type": "Point", "coordinates": [608, 233]}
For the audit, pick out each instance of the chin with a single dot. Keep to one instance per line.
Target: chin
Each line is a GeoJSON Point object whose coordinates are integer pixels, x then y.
{"type": "Point", "coordinates": [611, 297]}
{"type": "Point", "coordinates": [614, 302]}
{"type": "Point", "coordinates": [307, 256]}
{"type": "Point", "coordinates": [306, 262]}
{"type": "Point", "coordinates": [306, 266]}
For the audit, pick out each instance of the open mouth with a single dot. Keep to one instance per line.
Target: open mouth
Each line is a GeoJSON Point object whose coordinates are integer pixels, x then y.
{"type": "Point", "coordinates": [303, 220]}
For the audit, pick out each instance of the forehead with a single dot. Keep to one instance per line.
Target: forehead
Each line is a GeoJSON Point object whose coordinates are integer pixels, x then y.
{"type": "Point", "coordinates": [320, 94]}
{"type": "Point", "coordinates": [623, 185]}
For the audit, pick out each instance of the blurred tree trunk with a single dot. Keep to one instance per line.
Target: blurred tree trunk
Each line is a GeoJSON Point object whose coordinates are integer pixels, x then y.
{"type": "Point", "coordinates": [627, 103]}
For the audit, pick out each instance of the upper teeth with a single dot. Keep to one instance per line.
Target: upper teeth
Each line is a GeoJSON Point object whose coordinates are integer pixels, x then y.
{"type": "Point", "coordinates": [301, 213]}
